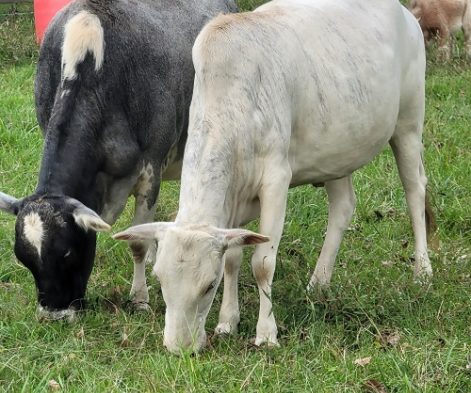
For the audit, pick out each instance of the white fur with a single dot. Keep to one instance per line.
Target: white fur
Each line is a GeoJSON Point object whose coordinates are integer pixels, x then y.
{"type": "Point", "coordinates": [293, 93]}
{"type": "Point", "coordinates": [68, 314]}
{"type": "Point", "coordinates": [82, 34]}
{"type": "Point", "coordinates": [89, 220]}
{"type": "Point", "coordinates": [34, 230]}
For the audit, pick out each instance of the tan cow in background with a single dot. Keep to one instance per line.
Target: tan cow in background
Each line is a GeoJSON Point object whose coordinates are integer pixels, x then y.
{"type": "Point", "coordinates": [444, 18]}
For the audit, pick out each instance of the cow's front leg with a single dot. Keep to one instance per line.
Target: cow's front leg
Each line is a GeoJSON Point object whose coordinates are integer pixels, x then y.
{"type": "Point", "coordinates": [341, 206]}
{"type": "Point", "coordinates": [229, 315]}
{"type": "Point", "coordinates": [146, 196]}
{"type": "Point", "coordinates": [444, 44]}
{"type": "Point", "coordinates": [273, 196]}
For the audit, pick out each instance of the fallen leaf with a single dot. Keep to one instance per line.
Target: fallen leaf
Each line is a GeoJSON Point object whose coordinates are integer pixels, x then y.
{"type": "Point", "coordinates": [393, 339]}
{"type": "Point", "coordinates": [53, 385]}
{"type": "Point", "coordinates": [389, 338]}
{"type": "Point", "coordinates": [374, 386]}
{"type": "Point", "coordinates": [362, 361]}
{"type": "Point", "coordinates": [124, 340]}
{"type": "Point", "coordinates": [80, 334]}
{"type": "Point", "coordinates": [71, 356]}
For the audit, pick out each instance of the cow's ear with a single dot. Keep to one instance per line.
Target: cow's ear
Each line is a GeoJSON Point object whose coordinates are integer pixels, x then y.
{"type": "Point", "coordinates": [152, 231]}
{"type": "Point", "coordinates": [86, 218]}
{"type": "Point", "coordinates": [9, 204]}
{"type": "Point", "coordinates": [238, 237]}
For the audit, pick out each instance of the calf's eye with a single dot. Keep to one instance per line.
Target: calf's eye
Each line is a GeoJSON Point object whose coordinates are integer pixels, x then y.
{"type": "Point", "coordinates": [210, 287]}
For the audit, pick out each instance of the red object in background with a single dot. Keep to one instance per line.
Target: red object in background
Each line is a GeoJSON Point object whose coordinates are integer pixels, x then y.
{"type": "Point", "coordinates": [44, 11]}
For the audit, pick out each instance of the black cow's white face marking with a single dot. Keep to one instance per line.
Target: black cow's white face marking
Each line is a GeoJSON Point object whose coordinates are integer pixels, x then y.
{"type": "Point", "coordinates": [33, 230]}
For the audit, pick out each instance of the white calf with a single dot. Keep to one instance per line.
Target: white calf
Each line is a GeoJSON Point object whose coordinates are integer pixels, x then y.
{"type": "Point", "coordinates": [295, 92]}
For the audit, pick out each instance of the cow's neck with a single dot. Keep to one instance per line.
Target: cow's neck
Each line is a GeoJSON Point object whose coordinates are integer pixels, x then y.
{"type": "Point", "coordinates": [207, 191]}
{"type": "Point", "coordinates": [70, 164]}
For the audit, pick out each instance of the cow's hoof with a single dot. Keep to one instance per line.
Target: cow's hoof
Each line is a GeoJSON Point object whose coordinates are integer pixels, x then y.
{"type": "Point", "coordinates": [316, 284]}
{"type": "Point", "coordinates": [316, 289]}
{"type": "Point", "coordinates": [422, 270]}
{"type": "Point", "coordinates": [267, 341]}
{"type": "Point", "coordinates": [225, 328]}
{"type": "Point", "coordinates": [423, 276]}
{"type": "Point", "coordinates": [141, 307]}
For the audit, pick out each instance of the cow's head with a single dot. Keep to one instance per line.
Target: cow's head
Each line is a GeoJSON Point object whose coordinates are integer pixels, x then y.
{"type": "Point", "coordinates": [55, 239]}
{"type": "Point", "coordinates": [189, 266]}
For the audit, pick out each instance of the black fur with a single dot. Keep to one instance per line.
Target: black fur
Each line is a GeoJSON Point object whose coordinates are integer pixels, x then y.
{"type": "Point", "coordinates": [107, 125]}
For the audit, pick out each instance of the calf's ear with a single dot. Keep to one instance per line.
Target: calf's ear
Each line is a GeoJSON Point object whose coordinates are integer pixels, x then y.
{"type": "Point", "coordinates": [239, 237]}
{"type": "Point", "coordinates": [152, 231]}
{"type": "Point", "coordinates": [8, 203]}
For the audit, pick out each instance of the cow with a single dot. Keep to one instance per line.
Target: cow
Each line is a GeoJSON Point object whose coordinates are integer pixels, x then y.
{"type": "Point", "coordinates": [295, 92]}
{"type": "Point", "coordinates": [443, 19]}
{"type": "Point", "coordinates": [113, 89]}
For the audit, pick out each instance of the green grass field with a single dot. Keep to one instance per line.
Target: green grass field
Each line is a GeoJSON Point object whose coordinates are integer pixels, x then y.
{"type": "Point", "coordinates": [418, 337]}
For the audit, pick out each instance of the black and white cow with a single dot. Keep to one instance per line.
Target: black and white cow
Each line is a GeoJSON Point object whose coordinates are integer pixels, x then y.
{"type": "Point", "coordinates": [113, 88]}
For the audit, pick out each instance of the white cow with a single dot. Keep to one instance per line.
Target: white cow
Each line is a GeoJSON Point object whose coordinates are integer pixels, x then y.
{"type": "Point", "coordinates": [296, 92]}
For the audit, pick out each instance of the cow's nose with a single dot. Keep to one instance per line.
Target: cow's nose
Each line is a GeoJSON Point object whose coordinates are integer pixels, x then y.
{"type": "Point", "coordinates": [45, 315]}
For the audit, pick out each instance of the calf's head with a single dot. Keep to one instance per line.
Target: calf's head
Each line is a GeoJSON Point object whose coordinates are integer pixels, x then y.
{"type": "Point", "coordinates": [55, 239]}
{"type": "Point", "coordinates": [189, 266]}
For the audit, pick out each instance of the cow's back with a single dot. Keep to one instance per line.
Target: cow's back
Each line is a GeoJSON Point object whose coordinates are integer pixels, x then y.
{"type": "Point", "coordinates": [143, 39]}
{"type": "Point", "coordinates": [331, 73]}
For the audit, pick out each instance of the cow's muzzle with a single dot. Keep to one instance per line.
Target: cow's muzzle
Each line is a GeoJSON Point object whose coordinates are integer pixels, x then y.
{"type": "Point", "coordinates": [45, 315]}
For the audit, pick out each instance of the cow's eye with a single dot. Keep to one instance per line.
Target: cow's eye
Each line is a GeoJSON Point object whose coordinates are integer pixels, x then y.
{"type": "Point", "coordinates": [210, 287]}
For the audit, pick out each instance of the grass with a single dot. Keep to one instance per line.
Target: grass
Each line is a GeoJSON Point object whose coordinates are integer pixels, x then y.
{"type": "Point", "coordinates": [418, 337]}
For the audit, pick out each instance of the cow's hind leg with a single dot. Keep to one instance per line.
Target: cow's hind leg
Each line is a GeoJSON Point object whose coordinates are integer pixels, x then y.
{"type": "Point", "coordinates": [407, 147]}
{"type": "Point", "coordinates": [341, 206]}
{"type": "Point", "coordinates": [229, 316]}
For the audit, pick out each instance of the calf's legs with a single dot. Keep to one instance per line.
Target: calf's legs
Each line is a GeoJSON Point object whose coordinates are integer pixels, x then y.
{"type": "Point", "coordinates": [229, 315]}
{"type": "Point", "coordinates": [407, 148]}
{"type": "Point", "coordinates": [341, 206]}
{"type": "Point", "coordinates": [273, 196]}
{"type": "Point", "coordinates": [143, 213]}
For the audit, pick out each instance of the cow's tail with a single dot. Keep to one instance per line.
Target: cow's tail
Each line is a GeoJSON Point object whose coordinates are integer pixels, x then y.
{"type": "Point", "coordinates": [433, 239]}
